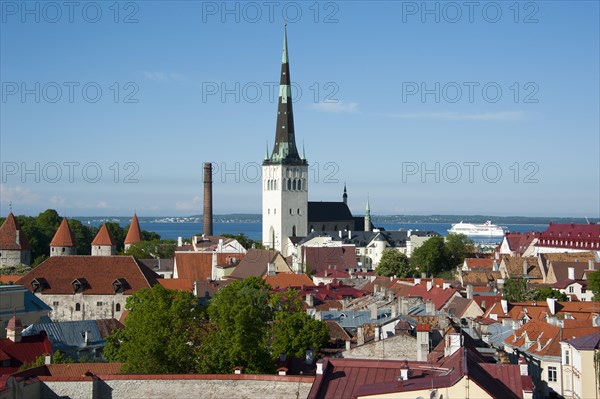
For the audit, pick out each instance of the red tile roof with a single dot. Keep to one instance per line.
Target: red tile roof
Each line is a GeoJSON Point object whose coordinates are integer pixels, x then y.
{"type": "Point", "coordinates": [22, 352]}
{"type": "Point", "coordinates": [438, 295]}
{"type": "Point", "coordinates": [479, 263]}
{"type": "Point", "coordinates": [255, 263]}
{"type": "Point", "coordinates": [7, 278]}
{"type": "Point", "coordinates": [104, 237]}
{"type": "Point", "coordinates": [332, 273]}
{"type": "Point", "coordinates": [134, 234]}
{"type": "Point", "coordinates": [320, 259]}
{"type": "Point", "coordinates": [98, 272]}
{"type": "Point", "coordinates": [334, 290]}
{"type": "Point", "coordinates": [64, 236]}
{"type": "Point", "coordinates": [180, 284]}
{"type": "Point", "coordinates": [573, 236]}
{"type": "Point", "coordinates": [519, 242]}
{"type": "Point", "coordinates": [11, 235]}
{"type": "Point", "coordinates": [287, 280]}
{"type": "Point", "coordinates": [197, 266]}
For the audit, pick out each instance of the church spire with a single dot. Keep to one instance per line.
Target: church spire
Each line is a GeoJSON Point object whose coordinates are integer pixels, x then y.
{"type": "Point", "coordinates": [368, 216]}
{"type": "Point", "coordinates": [345, 196]}
{"type": "Point", "coordinates": [285, 150]}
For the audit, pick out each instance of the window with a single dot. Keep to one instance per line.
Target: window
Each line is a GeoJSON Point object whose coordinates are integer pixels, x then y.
{"type": "Point", "coordinates": [55, 303]}
{"type": "Point", "coordinates": [63, 249]}
{"type": "Point", "coordinates": [571, 289]}
{"type": "Point", "coordinates": [291, 211]}
{"type": "Point", "coordinates": [552, 374]}
{"type": "Point", "coordinates": [78, 307]}
{"type": "Point", "coordinates": [118, 307]}
{"type": "Point", "coordinates": [567, 357]}
{"type": "Point", "coordinates": [98, 303]}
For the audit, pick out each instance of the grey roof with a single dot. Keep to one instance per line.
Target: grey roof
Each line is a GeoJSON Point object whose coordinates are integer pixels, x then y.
{"type": "Point", "coordinates": [588, 342]}
{"type": "Point", "coordinates": [68, 335]}
{"type": "Point", "coordinates": [356, 318]}
{"type": "Point", "coordinates": [498, 333]}
{"type": "Point", "coordinates": [328, 212]}
{"type": "Point", "coordinates": [158, 265]}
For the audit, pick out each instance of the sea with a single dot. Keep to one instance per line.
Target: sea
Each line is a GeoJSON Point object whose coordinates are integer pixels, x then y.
{"type": "Point", "coordinates": [173, 230]}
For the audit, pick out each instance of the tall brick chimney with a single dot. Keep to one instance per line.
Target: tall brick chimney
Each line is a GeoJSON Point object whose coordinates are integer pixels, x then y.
{"type": "Point", "coordinates": [208, 212]}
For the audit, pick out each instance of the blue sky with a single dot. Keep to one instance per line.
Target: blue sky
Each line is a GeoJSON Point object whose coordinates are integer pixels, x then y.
{"type": "Point", "coordinates": [426, 107]}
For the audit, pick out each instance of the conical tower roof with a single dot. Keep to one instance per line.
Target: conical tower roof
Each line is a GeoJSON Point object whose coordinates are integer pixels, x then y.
{"type": "Point", "coordinates": [104, 237]}
{"type": "Point", "coordinates": [11, 235]}
{"type": "Point", "coordinates": [63, 237]}
{"type": "Point", "coordinates": [134, 234]}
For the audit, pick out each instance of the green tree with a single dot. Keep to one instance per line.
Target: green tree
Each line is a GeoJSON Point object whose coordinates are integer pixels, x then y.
{"type": "Point", "coordinates": [294, 333]}
{"type": "Point", "coordinates": [84, 235]}
{"type": "Point", "coordinates": [515, 290]}
{"type": "Point", "coordinates": [594, 284]}
{"type": "Point", "coordinates": [459, 247]}
{"type": "Point", "coordinates": [164, 249]}
{"type": "Point", "coordinates": [431, 257]}
{"type": "Point", "coordinates": [239, 317]}
{"type": "Point", "coordinates": [118, 234]}
{"type": "Point", "coordinates": [394, 263]}
{"type": "Point", "coordinates": [245, 241]}
{"type": "Point", "coordinates": [60, 357]}
{"type": "Point", "coordinates": [39, 361]}
{"type": "Point", "coordinates": [542, 294]}
{"type": "Point", "coordinates": [162, 334]}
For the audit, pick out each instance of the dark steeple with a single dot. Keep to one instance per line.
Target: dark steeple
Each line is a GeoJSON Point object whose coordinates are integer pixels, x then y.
{"type": "Point", "coordinates": [345, 196]}
{"type": "Point", "coordinates": [285, 150]}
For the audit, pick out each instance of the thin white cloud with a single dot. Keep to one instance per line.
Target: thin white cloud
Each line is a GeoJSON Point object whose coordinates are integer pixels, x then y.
{"type": "Point", "coordinates": [102, 205]}
{"type": "Point", "coordinates": [18, 195]}
{"type": "Point", "coordinates": [189, 205]}
{"type": "Point", "coordinates": [460, 116]}
{"type": "Point", "coordinates": [57, 200]}
{"type": "Point", "coordinates": [337, 107]}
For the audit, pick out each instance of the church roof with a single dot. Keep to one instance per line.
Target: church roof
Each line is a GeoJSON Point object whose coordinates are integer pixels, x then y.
{"type": "Point", "coordinates": [9, 238]}
{"type": "Point", "coordinates": [328, 212]}
{"type": "Point", "coordinates": [63, 237]}
{"type": "Point", "coordinates": [134, 234]}
{"type": "Point", "coordinates": [104, 237]}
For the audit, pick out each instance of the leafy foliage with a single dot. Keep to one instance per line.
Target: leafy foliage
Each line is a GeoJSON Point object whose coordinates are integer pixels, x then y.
{"type": "Point", "coordinates": [431, 257]}
{"type": "Point", "coordinates": [394, 263]}
{"type": "Point", "coordinates": [594, 284]}
{"type": "Point", "coordinates": [515, 290]}
{"type": "Point", "coordinates": [293, 333]}
{"type": "Point", "coordinates": [542, 294]}
{"type": "Point", "coordinates": [459, 247]}
{"type": "Point", "coordinates": [60, 357]}
{"type": "Point", "coordinates": [162, 333]}
{"type": "Point", "coordinates": [163, 249]}
{"type": "Point", "coordinates": [39, 361]}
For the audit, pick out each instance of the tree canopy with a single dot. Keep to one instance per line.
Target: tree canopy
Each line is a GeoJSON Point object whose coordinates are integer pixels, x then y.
{"type": "Point", "coordinates": [542, 294]}
{"type": "Point", "coordinates": [438, 255]}
{"type": "Point", "coordinates": [594, 284]}
{"type": "Point", "coordinates": [515, 290]}
{"type": "Point", "coordinates": [394, 263]}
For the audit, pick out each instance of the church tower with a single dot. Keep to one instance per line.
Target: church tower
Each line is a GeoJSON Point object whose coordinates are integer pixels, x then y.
{"type": "Point", "coordinates": [284, 174]}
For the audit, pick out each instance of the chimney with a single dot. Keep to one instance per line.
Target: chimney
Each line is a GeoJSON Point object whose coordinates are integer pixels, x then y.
{"type": "Point", "coordinates": [86, 337]}
{"type": "Point", "coordinates": [417, 280]}
{"type": "Point", "coordinates": [320, 367]}
{"type": "Point", "coordinates": [523, 365]}
{"type": "Point", "coordinates": [14, 329]}
{"type": "Point", "coordinates": [349, 234]}
{"type": "Point", "coordinates": [423, 341]}
{"type": "Point", "coordinates": [591, 265]}
{"type": "Point", "coordinates": [179, 241]}
{"type": "Point", "coordinates": [524, 267]}
{"type": "Point", "coordinates": [360, 336]}
{"type": "Point", "coordinates": [495, 266]}
{"type": "Point", "coordinates": [373, 312]}
{"type": "Point", "coordinates": [469, 291]}
{"type": "Point", "coordinates": [446, 286]}
{"type": "Point", "coordinates": [348, 343]}
{"type": "Point", "coordinates": [571, 273]}
{"type": "Point", "coordinates": [270, 269]}
{"type": "Point", "coordinates": [404, 371]}
{"type": "Point", "coordinates": [377, 333]}
{"type": "Point", "coordinates": [453, 342]}
{"type": "Point", "coordinates": [551, 305]}
{"type": "Point", "coordinates": [310, 300]}
{"type": "Point", "coordinates": [208, 211]}
{"type": "Point", "coordinates": [429, 308]}
{"type": "Point", "coordinates": [340, 233]}
{"type": "Point", "coordinates": [429, 285]}
{"type": "Point", "coordinates": [195, 288]}
{"type": "Point", "coordinates": [220, 246]}
{"type": "Point", "coordinates": [504, 304]}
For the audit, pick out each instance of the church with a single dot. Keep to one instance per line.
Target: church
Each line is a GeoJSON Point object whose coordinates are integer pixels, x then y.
{"type": "Point", "coordinates": [287, 215]}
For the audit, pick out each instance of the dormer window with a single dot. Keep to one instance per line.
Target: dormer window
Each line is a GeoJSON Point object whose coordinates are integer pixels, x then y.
{"type": "Point", "coordinates": [39, 284]}
{"type": "Point", "coordinates": [120, 285]}
{"type": "Point", "coordinates": [79, 285]}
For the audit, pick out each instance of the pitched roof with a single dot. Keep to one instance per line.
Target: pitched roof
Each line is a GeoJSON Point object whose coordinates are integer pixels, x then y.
{"type": "Point", "coordinates": [574, 236]}
{"type": "Point", "coordinates": [328, 212]}
{"type": "Point", "coordinates": [320, 259]}
{"type": "Point", "coordinates": [104, 237]}
{"type": "Point", "coordinates": [25, 351]}
{"type": "Point", "coordinates": [134, 233]}
{"type": "Point", "coordinates": [567, 257]}
{"type": "Point", "coordinates": [514, 266]}
{"type": "Point", "coordinates": [332, 273]}
{"type": "Point", "coordinates": [480, 263]}
{"type": "Point", "coordinates": [63, 237]}
{"type": "Point", "coordinates": [519, 242]}
{"type": "Point", "coordinates": [11, 235]}
{"type": "Point", "coordinates": [255, 263]}
{"type": "Point", "coordinates": [107, 326]}
{"type": "Point", "coordinates": [561, 269]}
{"type": "Point", "coordinates": [287, 280]}
{"type": "Point", "coordinates": [180, 284]}
{"type": "Point", "coordinates": [438, 295]}
{"type": "Point", "coordinates": [98, 272]}
{"type": "Point", "coordinates": [587, 342]}
{"type": "Point", "coordinates": [193, 265]}
{"type": "Point", "coordinates": [458, 305]}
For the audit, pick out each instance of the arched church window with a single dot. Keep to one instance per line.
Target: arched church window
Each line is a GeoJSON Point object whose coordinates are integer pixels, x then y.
{"type": "Point", "coordinates": [289, 184]}
{"type": "Point", "coordinates": [77, 307]}
{"type": "Point", "coordinates": [293, 231]}
{"type": "Point", "coordinates": [291, 211]}
{"type": "Point", "coordinates": [118, 307]}
{"type": "Point", "coordinates": [274, 184]}
{"type": "Point", "coordinates": [294, 185]}
{"type": "Point", "coordinates": [323, 228]}
{"type": "Point", "coordinates": [299, 185]}
{"type": "Point", "coordinates": [298, 211]}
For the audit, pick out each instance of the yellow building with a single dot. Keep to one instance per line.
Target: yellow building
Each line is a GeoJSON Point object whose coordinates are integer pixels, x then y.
{"type": "Point", "coordinates": [580, 375]}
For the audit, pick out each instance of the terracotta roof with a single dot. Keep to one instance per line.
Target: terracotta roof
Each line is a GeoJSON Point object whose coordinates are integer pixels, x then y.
{"type": "Point", "coordinates": [7, 278]}
{"type": "Point", "coordinates": [25, 351]}
{"type": "Point", "coordinates": [287, 280]}
{"type": "Point", "coordinates": [510, 374]}
{"type": "Point", "coordinates": [134, 234]}
{"type": "Point", "coordinates": [480, 263]}
{"type": "Point", "coordinates": [332, 273]}
{"type": "Point", "coordinates": [457, 305]}
{"type": "Point", "coordinates": [64, 236]}
{"type": "Point", "coordinates": [98, 272]}
{"type": "Point", "coordinates": [572, 236]}
{"type": "Point", "coordinates": [70, 370]}
{"type": "Point", "coordinates": [11, 235]}
{"type": "Point", "coordinates": [438, 295]}
{"type": "Point", "coordinates": [568, 257]}
{"type": "Point", "coordinates": [198, 265]}
{"type": "Point", "coordinates": [479, 277]}
{"type": "Point", "coordinates": [104, 237]}
{"type": "Point", "coordinates": [254, 263]}
{"type": "Point", "coordinates": [180, 284]}
{"type": "Point", "coordinates": [519, 242]}
{"type": "Point", "coordinates": [334, 290]}
{"type": "Point", "coordinates": [514, 266]}
{"type": "Point", "coordinates": [486, 301]}
{"type": "Point", "coordinates": [107, 326]}
{"type": "Point", "coordinates": [561, 269]}
{"type": "Point", "coordinates": [14, 322]}
{"type": "Point", "coordinates": [320, 259]}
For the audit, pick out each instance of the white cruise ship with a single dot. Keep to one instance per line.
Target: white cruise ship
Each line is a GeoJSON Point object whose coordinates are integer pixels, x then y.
{"type": "Point", "coordinates": [488, 229]}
